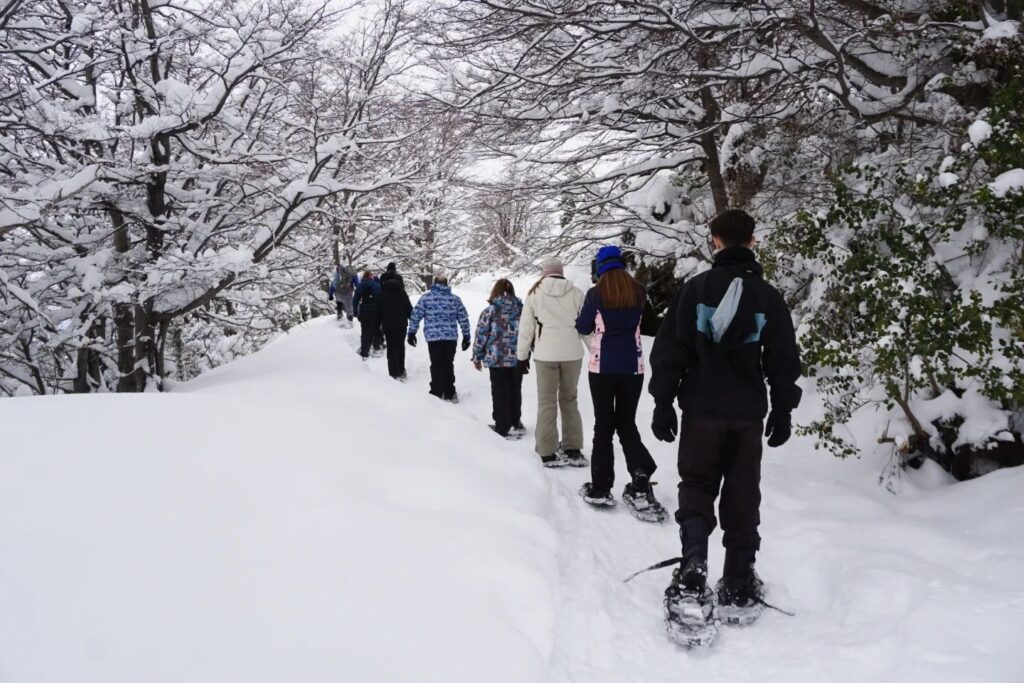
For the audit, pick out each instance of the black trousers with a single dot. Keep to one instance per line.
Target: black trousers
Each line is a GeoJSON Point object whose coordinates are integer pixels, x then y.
{"type": "Point", "coordinates": [722, 453]}
{"type": "Point", "coordinates": [396, 351]}
{"type": "Point", "coordinates": [506, 398]}
{"type": "Point", "coordinates": [369, 329]}
{"type": "Point", "coordinates": [615, 400]}
{"type": "Point", "coordinates": [442, 368]}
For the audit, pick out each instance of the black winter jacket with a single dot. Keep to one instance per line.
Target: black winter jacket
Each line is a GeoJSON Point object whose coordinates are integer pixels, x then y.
{"type": "Point", "coordinates": [395, 306]}
{"type": "Point", "coordinates": [727, 378]}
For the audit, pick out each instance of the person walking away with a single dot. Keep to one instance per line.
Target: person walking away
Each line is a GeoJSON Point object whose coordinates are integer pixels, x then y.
{"type": "Point", "coordinates": [547, 333]}
{"type": "Point", "coordinates": [366, 303]}
{"type": "Point", "coordinates": [497, 334]}
{"type": "Point", "coordinates": [725, 333]}
{"type": "Point", "coordinates": [612, 312]}
{"type": "Point", "coordinates": [341, 291]}
{"type": "Point", "coordinates": [443, 315]}
{"type": "Point", "coordinates": [395, 309]}
{"type": "Point", "coordinates": [391, 273]}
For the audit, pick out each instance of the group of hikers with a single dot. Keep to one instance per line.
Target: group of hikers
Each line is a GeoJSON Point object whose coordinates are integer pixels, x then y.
{"type": "Point", "coordinates": [725, 332]}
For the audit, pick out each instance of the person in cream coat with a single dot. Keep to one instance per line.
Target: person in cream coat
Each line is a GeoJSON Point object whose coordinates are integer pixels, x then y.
{"type": "Point", "coordinates": [548, 336]}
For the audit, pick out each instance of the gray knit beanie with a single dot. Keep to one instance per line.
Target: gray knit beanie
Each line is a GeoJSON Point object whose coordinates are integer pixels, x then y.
{"type": "Point", "coordinates": [552, 266]}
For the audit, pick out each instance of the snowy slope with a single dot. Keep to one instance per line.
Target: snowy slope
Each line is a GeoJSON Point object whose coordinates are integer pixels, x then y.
{"type": "Point", "coordinates": [298, 516]}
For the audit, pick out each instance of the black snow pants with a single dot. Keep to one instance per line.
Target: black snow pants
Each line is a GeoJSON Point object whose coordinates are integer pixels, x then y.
{"type": "Point", "coordinates": [395, 340]}
{"type": "Point", "coordinates": [615, 400]}
{"type": "Point", "coordinates": [506, 398]}
{"type": "Point", "coordinates": [369, 329]}
{"type": "Point", "coordinates": [442, 368]}
{"type": "Point", "coordinates": [722, 453]}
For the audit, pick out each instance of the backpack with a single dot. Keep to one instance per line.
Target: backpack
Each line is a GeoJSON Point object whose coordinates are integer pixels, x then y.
{"type": "Point", "coordinates": [346, 274]}
{"type": "Point", "coordinates": [368, 297]}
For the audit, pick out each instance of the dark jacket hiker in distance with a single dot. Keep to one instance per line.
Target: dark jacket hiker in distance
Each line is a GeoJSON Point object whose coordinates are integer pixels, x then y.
{"type": "Point", "coordinates": [366, 302]}
{"type": "Point", "coordinates": [497, 335]}
{"type": "Point", "coordinates": [611, 315]}
{"type": "Point", "coordinates": [395, 309]}
{"type": "Point", "coordinates": [726, 332]}
{"type": "Point", "coordinates": [442, 314]}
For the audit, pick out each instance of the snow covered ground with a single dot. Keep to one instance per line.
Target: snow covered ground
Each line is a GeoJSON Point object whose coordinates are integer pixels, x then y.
{"type": "Point", "coordinates": [298, 516]}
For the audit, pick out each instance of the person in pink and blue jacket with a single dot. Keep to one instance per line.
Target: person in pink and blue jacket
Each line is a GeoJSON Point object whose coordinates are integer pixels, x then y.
{"type": "Point", "coordinates": [611, 315]}
{"type": "Point", "coordinates": [497, 336]}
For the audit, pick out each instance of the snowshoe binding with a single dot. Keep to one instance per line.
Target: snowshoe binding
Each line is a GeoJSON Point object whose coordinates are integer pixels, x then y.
{"type": "Point", "coordinates": [638, 496]}
{"type": "Point", "coordinates": [596, 497]}
{"type": "Point", "coordinates": [740, 599]}
{"type": "Point", "coordinates": [511, 436]}
{"type": "Point", "coordinates": [554, 460]}
{"type": "Point", "coordinates": [690, 606]}
{"type": "Point", "coordinates": [575, 458]}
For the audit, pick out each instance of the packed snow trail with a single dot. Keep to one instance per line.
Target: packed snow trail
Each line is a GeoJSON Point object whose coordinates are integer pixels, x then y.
{"type": "Point", "coordinates": [299, 516]}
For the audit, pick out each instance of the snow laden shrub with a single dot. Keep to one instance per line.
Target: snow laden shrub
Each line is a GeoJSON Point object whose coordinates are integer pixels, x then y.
{"type": "Point", "coordinates": [917, 311]}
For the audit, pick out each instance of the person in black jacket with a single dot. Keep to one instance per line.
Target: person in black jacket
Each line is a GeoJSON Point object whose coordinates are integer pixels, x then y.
{"type": "Point", "coordinates": [725, 333]}
{"type": "Point", "coordinates": [366, 302]}
{"type": "Point", "coordinates": [395, 308]}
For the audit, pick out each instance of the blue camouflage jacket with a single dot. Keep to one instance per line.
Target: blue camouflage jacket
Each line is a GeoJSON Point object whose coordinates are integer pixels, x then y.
{"type": "Point", "coordinates": [442, 314]}
{"type": "Point", "coordinates": [497, 333]}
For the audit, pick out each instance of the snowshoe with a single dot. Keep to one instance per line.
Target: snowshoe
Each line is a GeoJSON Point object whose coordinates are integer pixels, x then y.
{"type": "Point", "coordinates": [740, 599]}
{"type": "Point", "coordinates": [454, 398]}
{"type": "Point", "coordinates": [638, 496]}
{"type": "Point", "coordinates": [553, 460]}
{"type": "Point", "coordinates": [596, 497]}
{"type": "Point", "coordinates": [519, 429]}
{"type": "Point", "coordinates": [690, 606]}
{"type": "Point", "coordinates": [377, 353]}
{"type": "Point", "coordinates": [511, 436]}
{"type": "Point", "coordinates": [574, 458]}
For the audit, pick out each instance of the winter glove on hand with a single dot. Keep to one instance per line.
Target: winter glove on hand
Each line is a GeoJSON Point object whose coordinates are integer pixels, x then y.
{"type": "Point", "coordinates": [665, 425]}
{"type": "Point", "coordinates": [411, 339]}
{"type": "Point", "coordinates": [465, 343]}
{"type": "Point", "coordinates": [778, 428]}
{"type": "Point", "coordinates": [524, 366]}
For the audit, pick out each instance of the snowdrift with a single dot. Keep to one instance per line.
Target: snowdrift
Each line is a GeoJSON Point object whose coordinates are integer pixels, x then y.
{"type": "Point", "coordinates": [298, 516]}
{"type": "Point", "coordinates": [286, 518]}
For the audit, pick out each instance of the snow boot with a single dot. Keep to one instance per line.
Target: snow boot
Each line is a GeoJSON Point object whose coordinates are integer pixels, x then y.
{"type": "Point", "coordinates": [553, 460]}
{"type": "Point", "coordinates": [740, 591]}
{"type": "Point", "coordinates": [689, 603]}
{"type": "Point", "coordinates": [638, 496]}
{"type": "Point", "coordinates": [519, 429]}
{"type": "Point", "coordinates": [601, 498]}
{"type": "Point", "coordinates": [574, 458]}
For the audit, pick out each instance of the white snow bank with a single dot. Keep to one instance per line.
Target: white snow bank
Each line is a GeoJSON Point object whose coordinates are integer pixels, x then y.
{"type": "Point", "coordinates": [289, 517]}
{"type": "Point", "coordinates": [301, 517]}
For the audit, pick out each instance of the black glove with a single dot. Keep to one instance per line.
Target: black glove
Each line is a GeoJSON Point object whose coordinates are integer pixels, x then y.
{"type": "Point", "coordinates": [411, 339]}
{"type": "Point", "coordinates": [665, 425]}
{"type": "Point", "coordinates": [524, 366]}
{"type": "Point", "coordinates": [778, 428]}
{"type": "Point", "coordinates": [465, 343]}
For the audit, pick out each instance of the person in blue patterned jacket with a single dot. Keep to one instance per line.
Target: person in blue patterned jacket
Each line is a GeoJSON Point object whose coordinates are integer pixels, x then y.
{"type": "Point", "coordinates": [442, 314]}
{"type": "Point", "coordinates": [497, 334]}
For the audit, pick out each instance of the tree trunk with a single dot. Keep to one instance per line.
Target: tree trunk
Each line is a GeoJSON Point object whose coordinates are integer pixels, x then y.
{"type": "Point", "coordinates": [709, 145]}
{"type": "Point", "coordinates": [124, 325]}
